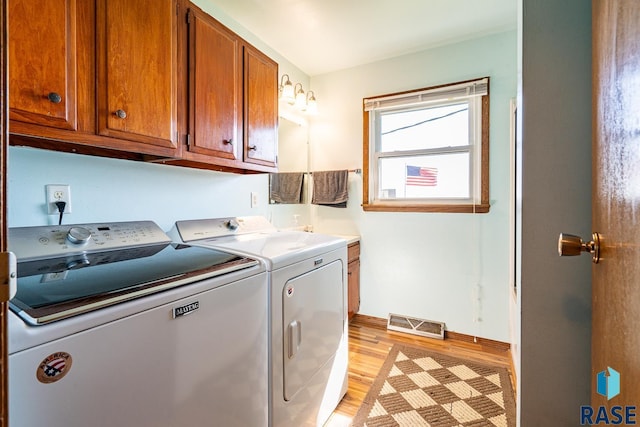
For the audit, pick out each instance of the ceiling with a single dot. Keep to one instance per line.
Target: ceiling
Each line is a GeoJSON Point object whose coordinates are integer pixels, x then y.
{"type": "Point", "coordinates": [321, 36]}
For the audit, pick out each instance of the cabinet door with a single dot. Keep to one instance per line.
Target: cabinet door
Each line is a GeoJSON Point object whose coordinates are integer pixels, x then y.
{"type": "Point", "coordinates": [215, 88]}
{"type": "Point", "coordinates": [261, 108]}
{"type": "Point", "coordinates": [354, 287]}
{"type": "Point", "coordinates": [137, 70]}
{"type": "Point", "coordinates": [42, 62]}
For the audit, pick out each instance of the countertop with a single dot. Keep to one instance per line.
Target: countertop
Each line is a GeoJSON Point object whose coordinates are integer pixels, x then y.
{"type": "Point", "coordinates": [348, 237]}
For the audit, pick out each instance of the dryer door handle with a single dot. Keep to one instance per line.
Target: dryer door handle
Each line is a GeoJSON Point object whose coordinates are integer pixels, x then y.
{"type": "Point", "coordinates": [295, 337]}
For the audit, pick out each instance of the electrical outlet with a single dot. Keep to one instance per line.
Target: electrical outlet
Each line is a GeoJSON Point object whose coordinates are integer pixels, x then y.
{"type": "Point", "coordinates": [58, 193]}
{"type": "Point", "coordinates": [254, 199]}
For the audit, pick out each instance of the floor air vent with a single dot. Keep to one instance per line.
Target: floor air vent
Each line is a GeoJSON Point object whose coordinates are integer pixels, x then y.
{"type": "Point", "coordinates": [411, 325]}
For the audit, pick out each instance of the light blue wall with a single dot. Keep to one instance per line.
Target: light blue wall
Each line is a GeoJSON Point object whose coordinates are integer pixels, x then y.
{"type": "Point", "coordinates": [446, 267]}
{"type": "Point", "coordinates": [120, 190]}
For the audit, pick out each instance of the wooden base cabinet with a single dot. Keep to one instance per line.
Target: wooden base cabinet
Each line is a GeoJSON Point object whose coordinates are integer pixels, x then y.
{"type": "Point", "coordinates": [353, 257]}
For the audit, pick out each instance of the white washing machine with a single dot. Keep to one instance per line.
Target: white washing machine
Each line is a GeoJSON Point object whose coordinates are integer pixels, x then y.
{"type": "Point", "coordinates": [115, 325]}
{"type": "Point", "coordinates": [308, 300]}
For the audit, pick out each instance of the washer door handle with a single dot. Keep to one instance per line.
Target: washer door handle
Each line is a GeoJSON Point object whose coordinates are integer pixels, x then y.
{"type": "Point", "coordinates": [295, 337]}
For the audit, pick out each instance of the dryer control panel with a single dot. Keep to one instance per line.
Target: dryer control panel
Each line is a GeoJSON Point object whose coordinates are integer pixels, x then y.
{"type": "Point", "coordinates": [199, 229]}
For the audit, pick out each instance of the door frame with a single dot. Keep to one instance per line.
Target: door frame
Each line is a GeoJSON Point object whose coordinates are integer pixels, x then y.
{"type": "Point", "coordinates": [554, 297]}
{"type": "Point", "coordinates": [4, 114]}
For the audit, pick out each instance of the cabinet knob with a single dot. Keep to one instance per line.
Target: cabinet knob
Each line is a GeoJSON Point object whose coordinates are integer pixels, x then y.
{"type": "Point", "coordinates": [253, 148]}
{"type": "Point", "coordinates": [227, 141]}
{"type": "Point", "coordinates": [121, 114]}
{"type": "Point", "coordinates": [54, 97]}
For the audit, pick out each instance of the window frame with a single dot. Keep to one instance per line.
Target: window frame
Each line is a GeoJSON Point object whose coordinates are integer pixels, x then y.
{"type": "Point", "coordinates": [370, 150]}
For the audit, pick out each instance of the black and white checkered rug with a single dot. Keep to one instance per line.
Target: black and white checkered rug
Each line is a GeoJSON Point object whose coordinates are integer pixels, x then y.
{"type": "Point", "coordinates": [418, 387]}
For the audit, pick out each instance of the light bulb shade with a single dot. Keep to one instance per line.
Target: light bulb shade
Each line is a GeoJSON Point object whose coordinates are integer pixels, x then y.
{"type": "Point", "coordinates": [312, 105]}
{"type": "Point", "coordinates": [286, 89]}
{"type": "Point", "coordinates": [300, 100]}
{"type": "Point", "coordinates": [287, 92]}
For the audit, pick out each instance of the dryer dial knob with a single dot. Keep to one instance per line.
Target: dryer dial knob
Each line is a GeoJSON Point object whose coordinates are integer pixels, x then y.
{"type": "Point", "coordinates": [78, 235]}
{"type": "Point", "coordinates": [232, 224]}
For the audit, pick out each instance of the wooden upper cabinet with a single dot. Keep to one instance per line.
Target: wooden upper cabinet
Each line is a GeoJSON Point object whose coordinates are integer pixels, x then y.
{"type": "Point", "coordinates": [215, 88]}
{"type": "Point", "coordinates": [42, 62]}
{"type": "Point", "coordinates": [137, 70]}
{"type": "Point", "coordinates": [261, 108]}
{"type": "Point", "coordinates": [232, 98]}
{"type": "Point", "coordinates": [136, 80]}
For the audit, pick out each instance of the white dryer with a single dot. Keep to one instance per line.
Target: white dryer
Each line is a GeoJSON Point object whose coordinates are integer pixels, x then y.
{"type": "Point", "coordinates": [308, 301]}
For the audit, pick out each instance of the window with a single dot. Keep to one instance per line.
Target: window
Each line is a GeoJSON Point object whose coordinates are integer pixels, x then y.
{"type": "Point", "coordinates": [428, 150]}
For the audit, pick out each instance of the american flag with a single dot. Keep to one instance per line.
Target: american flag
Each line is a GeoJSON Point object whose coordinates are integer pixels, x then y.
{"type": "Point", "coordinates": [55, 367]}
{"type": "Point", "coordinates": [422, 176]}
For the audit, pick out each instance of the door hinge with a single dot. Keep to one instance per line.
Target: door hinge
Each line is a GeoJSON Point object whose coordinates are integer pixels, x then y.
{"type": "Point", "coordinates": [188, 140]}
{"type": "Point", "coordinates": [8, 276]}
{"type": "Point", "coordinates": [189, 16]}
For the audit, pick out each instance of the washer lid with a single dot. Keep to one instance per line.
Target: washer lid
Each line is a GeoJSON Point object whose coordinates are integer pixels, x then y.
{"type": "Point", "coordinates": [57, 288]}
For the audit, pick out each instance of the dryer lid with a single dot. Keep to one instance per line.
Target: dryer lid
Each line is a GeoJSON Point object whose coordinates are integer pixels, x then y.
{"type": "Point", "coordinates": [255, 236]}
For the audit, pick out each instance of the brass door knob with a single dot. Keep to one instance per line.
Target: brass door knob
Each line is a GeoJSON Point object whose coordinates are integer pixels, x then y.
{"type": "Point", "coordinates": [571, 245]}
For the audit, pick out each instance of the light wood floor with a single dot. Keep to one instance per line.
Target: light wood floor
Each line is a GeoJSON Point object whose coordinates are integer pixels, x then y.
{"type": "Point", "coordinates": [369, 344]}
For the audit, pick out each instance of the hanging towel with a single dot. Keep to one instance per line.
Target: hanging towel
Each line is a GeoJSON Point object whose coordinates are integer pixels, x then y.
{"type": "Point", "coordinates": [286, 187]}
{"type": "Point", "coordinates": [330, 188]}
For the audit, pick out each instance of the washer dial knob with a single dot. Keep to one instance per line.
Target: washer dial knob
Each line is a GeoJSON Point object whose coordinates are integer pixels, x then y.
{"type": "Point", "coordinates": [78, 235]}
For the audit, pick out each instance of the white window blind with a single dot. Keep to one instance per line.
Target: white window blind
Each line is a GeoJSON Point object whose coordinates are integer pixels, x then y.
{"type": "Point", "coordinates": [451, 92]}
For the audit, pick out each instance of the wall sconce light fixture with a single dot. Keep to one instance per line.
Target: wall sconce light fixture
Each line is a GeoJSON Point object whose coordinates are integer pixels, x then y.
{"type": "Point", "coordinates": [294, 95]}
{"type": "Point", "coordinates": [286, 89]}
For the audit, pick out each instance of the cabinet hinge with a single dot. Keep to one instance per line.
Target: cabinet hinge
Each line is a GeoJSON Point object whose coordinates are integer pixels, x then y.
{"type": "Point", "coordinates": [189, 16]}
{"type": "Point", "coordinates": [8, 276]}
{"type": "Point", "coordinates": [188, 140]}
{"type": "Point", "coordinates": [177, 9]}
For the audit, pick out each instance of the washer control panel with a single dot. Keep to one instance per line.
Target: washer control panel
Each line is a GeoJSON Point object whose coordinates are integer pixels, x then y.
{"type": "Point", "coordinates": [31, 243]}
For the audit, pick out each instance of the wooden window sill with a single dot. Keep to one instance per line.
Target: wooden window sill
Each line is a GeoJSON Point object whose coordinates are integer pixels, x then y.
{"type": "Point", "coordinates": [381, 207]}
